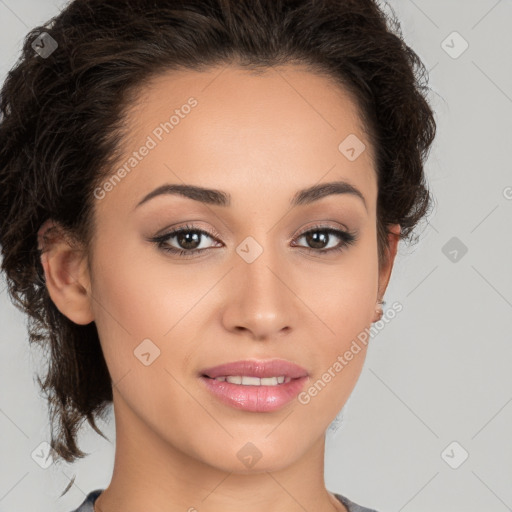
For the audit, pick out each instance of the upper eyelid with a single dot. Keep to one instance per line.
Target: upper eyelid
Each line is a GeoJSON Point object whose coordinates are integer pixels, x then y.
{"type": "Point", "coordinates": [320, 227]}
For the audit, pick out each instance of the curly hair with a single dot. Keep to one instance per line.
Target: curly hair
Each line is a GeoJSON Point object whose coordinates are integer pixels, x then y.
{"type": "Point", "coordinates": [61, 131]}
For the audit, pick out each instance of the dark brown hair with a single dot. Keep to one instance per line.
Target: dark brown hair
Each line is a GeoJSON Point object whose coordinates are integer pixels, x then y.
{"type": "Point", "coordinates": [61, 131]}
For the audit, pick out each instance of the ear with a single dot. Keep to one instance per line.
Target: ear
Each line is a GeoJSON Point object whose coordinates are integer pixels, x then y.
{"type": "Point", "coordinates": [66, 273]}
{"type": "Point", "coordinates": [387, 265]}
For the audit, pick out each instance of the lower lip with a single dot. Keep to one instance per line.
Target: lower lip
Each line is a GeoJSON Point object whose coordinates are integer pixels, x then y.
{"type": "Point", "coordinates": [255, 398]}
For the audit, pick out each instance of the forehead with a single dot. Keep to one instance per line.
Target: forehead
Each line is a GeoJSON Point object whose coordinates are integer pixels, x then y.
{"type": "Point", "coordinates": [279, 129]}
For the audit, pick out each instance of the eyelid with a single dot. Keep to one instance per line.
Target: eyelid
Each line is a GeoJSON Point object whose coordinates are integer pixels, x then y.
{"type": "Point", "coordinates": [317, 225]}
{"type": "Point", "coordinates": [186, 226]}
{"type": "Point", "coordinates": [345, 235]}
{"type": "Point", "coordinates": [189, 226]}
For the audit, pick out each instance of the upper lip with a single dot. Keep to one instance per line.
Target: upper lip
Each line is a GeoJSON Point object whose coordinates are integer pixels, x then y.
{"type": "Point", "coordinates": [257, 368]}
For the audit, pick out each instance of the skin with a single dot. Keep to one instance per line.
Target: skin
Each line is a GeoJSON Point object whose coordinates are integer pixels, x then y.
{"type": "Point", "coordinates": [260, 138]}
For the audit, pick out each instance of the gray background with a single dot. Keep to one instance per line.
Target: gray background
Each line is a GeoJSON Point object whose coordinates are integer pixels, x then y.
{"type": "Point", "coordinates": [438, 373]}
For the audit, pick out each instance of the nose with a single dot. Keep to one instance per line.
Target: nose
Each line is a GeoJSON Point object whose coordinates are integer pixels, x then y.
{"type": "Point", "coordinates": [260, 298]}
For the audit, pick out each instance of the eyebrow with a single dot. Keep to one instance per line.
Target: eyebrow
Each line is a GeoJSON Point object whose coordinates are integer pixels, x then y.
{"type": "Point", "coordinates": [220, 198]}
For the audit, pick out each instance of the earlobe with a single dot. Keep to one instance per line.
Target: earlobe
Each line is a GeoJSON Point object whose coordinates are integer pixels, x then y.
{"type": "Point", "coordinates": [66, 273]}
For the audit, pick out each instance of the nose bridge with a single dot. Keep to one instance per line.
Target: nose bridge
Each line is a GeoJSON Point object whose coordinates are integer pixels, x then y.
{"type": "Point", "coordinates": [260, 300]}
{"type": "Point", "coordinates": [261, 274]}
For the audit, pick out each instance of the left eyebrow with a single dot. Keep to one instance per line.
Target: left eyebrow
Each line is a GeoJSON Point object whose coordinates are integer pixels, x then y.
{"type": "Point", "coordinates": [220, 198]}
{"type": "Point", "coordinates": [321, 190]}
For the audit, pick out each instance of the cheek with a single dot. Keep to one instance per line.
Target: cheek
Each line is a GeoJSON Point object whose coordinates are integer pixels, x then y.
{"type": "Point", "coordinates": [343, 294]}
{"type": "Point", "coordinates": [343, 297]}
{"type": "Point", "coordinates": [126, 302]}
{"type": "Point", "coordinates": [138, 294]}
{"type": "Point", "coordinates": [139, 298]}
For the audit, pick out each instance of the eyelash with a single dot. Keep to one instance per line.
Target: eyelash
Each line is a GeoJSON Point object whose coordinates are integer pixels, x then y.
{"type": "Point", "coordinates": [347, 238]}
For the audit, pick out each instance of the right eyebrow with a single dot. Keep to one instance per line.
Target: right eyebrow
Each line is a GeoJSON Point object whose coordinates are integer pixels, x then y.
{"type": "Point", "coordinates": [204, 195]}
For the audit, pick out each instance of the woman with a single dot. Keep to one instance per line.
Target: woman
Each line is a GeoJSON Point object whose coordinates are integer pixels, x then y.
{"type": "Point", "coordinates": [201, 202]}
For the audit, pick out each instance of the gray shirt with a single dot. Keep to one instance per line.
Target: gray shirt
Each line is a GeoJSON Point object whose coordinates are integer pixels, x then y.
{"type": "Point", "coordinates": [86, 506]}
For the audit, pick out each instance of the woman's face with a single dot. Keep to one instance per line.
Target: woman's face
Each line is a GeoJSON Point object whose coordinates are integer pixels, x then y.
{"type": "Point", "coordinates": [259, 289]}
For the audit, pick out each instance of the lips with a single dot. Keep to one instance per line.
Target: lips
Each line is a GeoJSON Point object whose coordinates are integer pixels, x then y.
{"type": "Point", "coordinates": [256, 368]}
{"type": "Point", "coordinates": [255, 399]}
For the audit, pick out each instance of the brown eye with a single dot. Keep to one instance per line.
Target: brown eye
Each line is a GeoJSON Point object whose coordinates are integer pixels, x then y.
{"type": "Point", "coordinates": [319, 238]}
{"type": "Point", "coordinates": [188, 240]}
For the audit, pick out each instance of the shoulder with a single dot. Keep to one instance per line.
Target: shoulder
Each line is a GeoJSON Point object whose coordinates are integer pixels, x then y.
{"type": "Point", "coordinates": [351, 506]}
{"type": "Point", "coordinates": [87, 504]}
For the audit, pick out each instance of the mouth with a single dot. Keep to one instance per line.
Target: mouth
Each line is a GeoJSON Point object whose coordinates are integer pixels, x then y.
{"type": "Point", "coordinates": [246, 380]}
{"type": "Point", "coordinates": [255, 386]}
{"type": "Point", "coordinates": [256, 369]}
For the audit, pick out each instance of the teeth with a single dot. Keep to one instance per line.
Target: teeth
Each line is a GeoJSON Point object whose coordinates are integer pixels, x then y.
{"type": "Point", "coordinates": [254, 381]}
